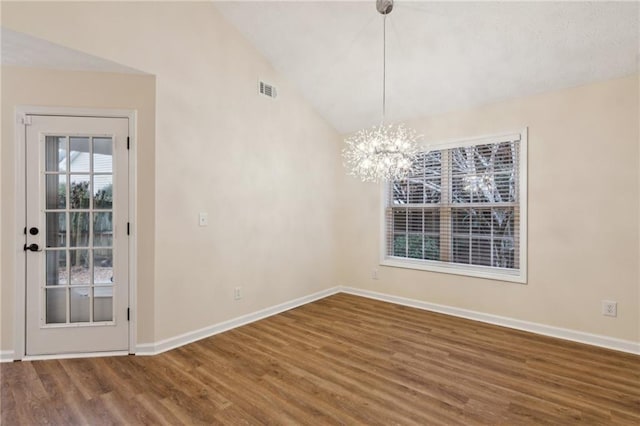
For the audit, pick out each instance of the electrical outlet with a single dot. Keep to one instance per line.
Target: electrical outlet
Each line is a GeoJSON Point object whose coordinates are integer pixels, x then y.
{"type": "Point", "coordinates": [609, 308]}
{"type": "Point", "coordinates": [203, 219]}
{"type": "Point", "coordinates": [237, 293]}
{"type": "Point", "coordinates": [374, 274]}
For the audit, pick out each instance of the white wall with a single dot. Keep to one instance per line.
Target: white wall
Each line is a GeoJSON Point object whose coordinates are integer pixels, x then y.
{"type": "Point", "coordinates": [583, 233]}
{"type": "Point", "coordinates": [264, 170]}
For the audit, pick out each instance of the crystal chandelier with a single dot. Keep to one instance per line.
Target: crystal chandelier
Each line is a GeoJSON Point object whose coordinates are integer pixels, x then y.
{"type": "Point", "coordinates": [384, 152]}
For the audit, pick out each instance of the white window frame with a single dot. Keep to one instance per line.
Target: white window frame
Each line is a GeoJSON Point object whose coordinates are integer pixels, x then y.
{"type": "Point", "coordinates": [516, 276]}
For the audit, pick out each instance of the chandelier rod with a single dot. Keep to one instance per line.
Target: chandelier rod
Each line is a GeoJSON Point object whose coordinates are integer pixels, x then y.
{"type": "Point", "coordinates": [384, 66]}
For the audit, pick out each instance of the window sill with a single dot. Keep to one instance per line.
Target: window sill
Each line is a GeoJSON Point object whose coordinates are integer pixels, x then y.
{"type": "Point", "coordinates": [457, 269]}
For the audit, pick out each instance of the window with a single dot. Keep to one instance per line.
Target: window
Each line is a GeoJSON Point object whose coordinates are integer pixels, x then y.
{"type": "Point", "coordinates": [462, 211]}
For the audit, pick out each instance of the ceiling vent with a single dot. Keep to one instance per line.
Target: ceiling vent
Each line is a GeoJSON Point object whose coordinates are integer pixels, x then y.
{"type": "Point", "coordinates": [267, 89]}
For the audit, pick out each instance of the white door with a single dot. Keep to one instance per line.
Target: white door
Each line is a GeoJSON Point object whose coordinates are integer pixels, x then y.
{"type": "Point", "coordinates": [76, 248]}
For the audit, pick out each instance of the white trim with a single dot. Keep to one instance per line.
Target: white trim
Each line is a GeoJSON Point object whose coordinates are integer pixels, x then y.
{"type": "Point", "coordinates": [146, 349]}
{"type": "Point", "coordinates": [524, 189]}
{"type": "Point", "coordinates": [536, 328]}
{"type": "Point", "coordinates": [74, 112]}
{"type": "Point", "coordinates": [186, 338]}
{"type": "Point", "coordinates": [75, 355]}
{"type": "Point", "coordinates": [133, 234]}
{"type": "Point", "coordinates": [456, 269]}
{"type": "Point", "coordinates": [517, 276]}
{"type": "Point", "coordinates": [472, 141]}
{"type": "Point", "coordinates": [532, 327]}
{"type": "Point", "coordinates": [19, 225]}
{"type": "Point", "coordinates": [192, 336]}
{"type": "Point", "coordinates": [20, 212]}
{"type": "Point", "coordinates": [6, 356]}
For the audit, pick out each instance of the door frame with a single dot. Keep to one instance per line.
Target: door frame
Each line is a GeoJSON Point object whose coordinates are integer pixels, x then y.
{"type": "Point", "coordinates": [20, 222]}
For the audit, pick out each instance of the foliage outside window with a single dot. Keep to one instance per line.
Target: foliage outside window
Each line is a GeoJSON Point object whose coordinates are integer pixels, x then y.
{"type": "Point", "coordinates": [79, 231]}
{"type": "Point", "coordinates": [462, 210]}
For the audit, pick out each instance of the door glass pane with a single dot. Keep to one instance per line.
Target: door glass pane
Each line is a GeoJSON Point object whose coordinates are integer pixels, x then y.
{"type": "Point", "coordinates": [79, 154]}
{"type": "Point", "coordinates": [78, 217]}
{"type": "Point", "coordinates": [102, 155]}
{"type": "Point", "coordinates": [103, 191]}
{"type": "Point", "coordinates": [103, 304]}
{"type": "Point", "coordinates": [56, 306]}
{"type": "Point", "coordinates": [102, 229]}
{"type": "Point", "coordinates": [56, 227]}
{"type": "Point", "coordinates": [55, 153]}
{"type": "Point", "coordinates": [79, 192]}
{"type": "Point", "coordinates": [103, 266]}
{"type": "Point", "coordinates": [56, 267]}
{"type": "Point", "coordinates": [79, 304]}
{"type": "Point", "coordinates": [79, 260]}
{"type": "Point", "coordinates": [56, 191]}
{"type": "Point", "coordinates": [79, 229]}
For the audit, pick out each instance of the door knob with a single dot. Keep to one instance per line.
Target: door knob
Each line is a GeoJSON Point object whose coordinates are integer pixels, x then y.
{"type": "Point", "coordinates": [32, 247]}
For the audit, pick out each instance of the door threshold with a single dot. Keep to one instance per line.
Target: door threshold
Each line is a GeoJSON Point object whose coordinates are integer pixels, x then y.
{"type": "Point", "coordinates": [74, 355]}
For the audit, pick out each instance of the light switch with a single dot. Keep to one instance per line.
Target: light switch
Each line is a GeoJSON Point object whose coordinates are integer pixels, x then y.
{"type": "Point", "coordinates": [203, 219]}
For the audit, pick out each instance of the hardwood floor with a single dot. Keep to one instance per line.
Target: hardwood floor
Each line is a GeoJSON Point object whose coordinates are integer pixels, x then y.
{"type": "Point", "coordinates": [340, 360]}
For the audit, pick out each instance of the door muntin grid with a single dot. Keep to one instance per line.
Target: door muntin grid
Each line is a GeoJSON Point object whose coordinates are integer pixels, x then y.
{"type": "Point", "coordinates": [79, 283]}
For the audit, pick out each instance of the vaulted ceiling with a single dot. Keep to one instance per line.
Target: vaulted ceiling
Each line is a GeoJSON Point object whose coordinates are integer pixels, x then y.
{"type": "Point", "coordinates": [441, 56]}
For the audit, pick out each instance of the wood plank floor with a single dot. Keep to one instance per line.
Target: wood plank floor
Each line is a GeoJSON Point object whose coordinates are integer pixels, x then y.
{"type": "Point", "coordinates": [340, 360]}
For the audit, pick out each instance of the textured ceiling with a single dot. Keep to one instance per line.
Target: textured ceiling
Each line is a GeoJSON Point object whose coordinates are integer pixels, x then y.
{"type": "Point", "coordinates": [23, 50]}
{"type": "Point", "coordinates": [441, 56]}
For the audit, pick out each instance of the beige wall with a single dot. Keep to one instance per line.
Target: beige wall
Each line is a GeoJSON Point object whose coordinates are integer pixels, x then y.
{"type": "Point", "coordinates": [264, 170]}
{"type": "Point", "coordinates": [8, 336]}
{"type": "Point", "coordinates": [285, 221]}
{"type": "Point", "coordinates": [583, 213]}
{"type": "Point", "coordinates": [28, 86]}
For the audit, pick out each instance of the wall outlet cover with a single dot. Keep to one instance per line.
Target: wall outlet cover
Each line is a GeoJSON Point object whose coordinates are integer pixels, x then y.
{"type": "Point", "coordinates": [609, 308]}
{"type": "Point", "coordinates": [203, 219]}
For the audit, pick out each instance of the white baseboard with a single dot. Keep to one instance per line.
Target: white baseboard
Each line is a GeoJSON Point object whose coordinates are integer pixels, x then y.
{"type": "Point", "coordinates": [6, 356]}
{"type": "Point", "coordinates": [192, 336]}
{"type": "Point", "coordinates": [74, 355]}
{"type": "Point", "coordinates": [9, 356]}
{"type": "Point", "coordinates": [546, 330]}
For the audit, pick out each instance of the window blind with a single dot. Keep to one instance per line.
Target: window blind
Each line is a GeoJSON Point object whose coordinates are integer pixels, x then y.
{"type": "Point", "coordinates": [460, 206]}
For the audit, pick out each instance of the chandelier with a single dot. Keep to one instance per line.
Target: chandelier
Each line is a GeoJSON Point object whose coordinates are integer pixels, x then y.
{"type": "Point", "coordinates": [385, 152]}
